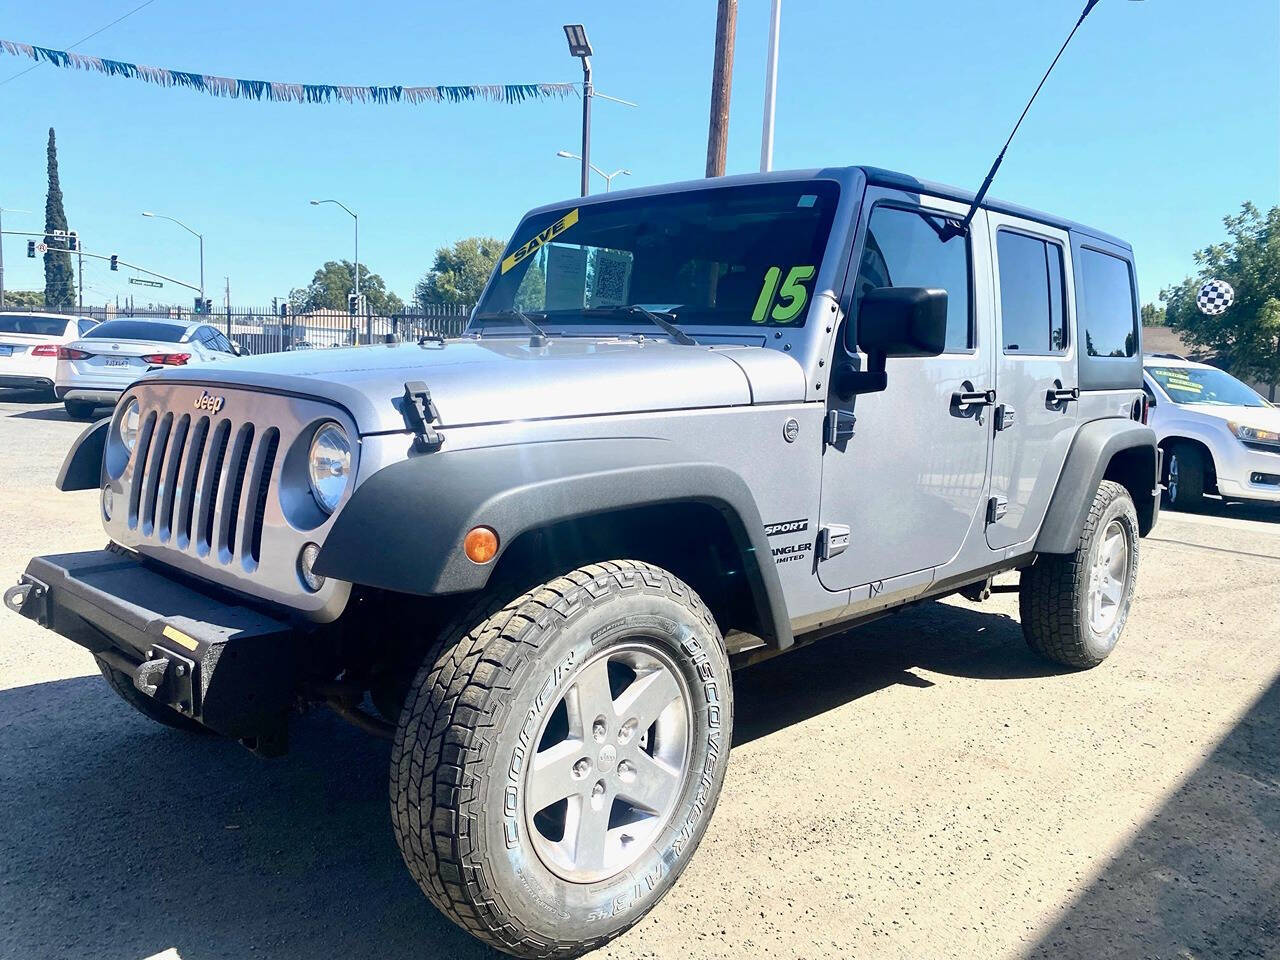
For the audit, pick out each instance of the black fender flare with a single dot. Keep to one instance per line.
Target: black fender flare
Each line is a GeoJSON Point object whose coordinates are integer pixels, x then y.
{"type": "Point", "coordinates": [403, 527]}
{"type": "Point", "coordinates": [1095, 444]}
{"type": "Point", "coordinates": [82, 468]}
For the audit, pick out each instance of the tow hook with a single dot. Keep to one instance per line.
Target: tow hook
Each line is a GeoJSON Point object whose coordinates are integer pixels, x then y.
{"type": "Point", "coordinates": [27, 591]}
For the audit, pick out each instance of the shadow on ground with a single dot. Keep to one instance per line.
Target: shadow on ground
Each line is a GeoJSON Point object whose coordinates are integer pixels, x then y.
{"type": "Point", "coordinates": [1237, 509]}
{"type": "Point", "coordinates": [1202, 877]}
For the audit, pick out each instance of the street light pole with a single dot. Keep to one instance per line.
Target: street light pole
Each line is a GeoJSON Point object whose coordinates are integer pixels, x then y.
{"type": "Point", "coordinates": [770, 87]}
{"type": "Point", "coordinates": [355, 217]}
{"type": "Point", "coordinates": [198, 236]}
{"type": "Point", "coordinates": [608, 177]}
{"type": "Point", "coordinates": [580, 47]}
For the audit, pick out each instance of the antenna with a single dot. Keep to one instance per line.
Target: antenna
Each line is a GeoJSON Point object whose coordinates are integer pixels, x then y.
{"type": "Point", "coordinates": [986, 184]}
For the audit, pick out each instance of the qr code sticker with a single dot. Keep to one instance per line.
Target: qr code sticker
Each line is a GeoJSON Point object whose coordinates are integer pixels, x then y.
{"type": "Point", "coordinates": [612, 278]}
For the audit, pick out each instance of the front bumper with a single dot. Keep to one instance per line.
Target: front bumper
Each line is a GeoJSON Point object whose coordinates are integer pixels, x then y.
{"type": "Point", "coordinates": [211, 658]}
{"type": "Point", "coordinates": [1247, 473]}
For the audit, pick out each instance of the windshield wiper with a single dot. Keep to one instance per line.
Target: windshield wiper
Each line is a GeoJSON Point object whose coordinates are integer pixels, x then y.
{"type": "Point", "coordinates": [678, 335]}
{"type": "Point", "coordinates": [539, 338]}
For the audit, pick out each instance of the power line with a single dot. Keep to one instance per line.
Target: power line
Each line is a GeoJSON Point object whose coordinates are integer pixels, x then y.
{"type": "Point", "coordinates": [125, 16]}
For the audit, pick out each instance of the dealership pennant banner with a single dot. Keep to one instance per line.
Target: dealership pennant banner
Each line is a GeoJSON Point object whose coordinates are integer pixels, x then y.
{"type": "Point", "coordinates": [291, 92]}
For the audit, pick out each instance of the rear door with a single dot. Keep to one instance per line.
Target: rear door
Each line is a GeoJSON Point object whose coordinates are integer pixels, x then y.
{"type": "Point", "coordinates": [1036, 381]}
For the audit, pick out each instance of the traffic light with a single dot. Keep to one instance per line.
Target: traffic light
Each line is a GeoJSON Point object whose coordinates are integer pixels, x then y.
{"type": "Point", "coordinates": [353, 303]}
{"type": "Point", "coordinates": [73, 241]}
{"type": "Point", "coordinates": [284, 308]}
{"type": "Point", "coordinates": [31, 249]}
{"type": "Point", "coordinates": [115, 262]}
{"type": "Point", "coordinates": [201, 305]}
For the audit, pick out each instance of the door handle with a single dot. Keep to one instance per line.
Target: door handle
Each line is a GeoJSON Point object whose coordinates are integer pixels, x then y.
{"type": "Point", "coordinates": [963, 400]}
{"type": "Point", "coordinates": [1066, 395]}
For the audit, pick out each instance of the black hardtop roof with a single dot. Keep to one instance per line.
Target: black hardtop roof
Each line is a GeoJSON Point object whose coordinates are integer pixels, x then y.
{"type": "Point", "coordinates": [876, 176]}
{"type": "Point", "coordinates": [903, 181]}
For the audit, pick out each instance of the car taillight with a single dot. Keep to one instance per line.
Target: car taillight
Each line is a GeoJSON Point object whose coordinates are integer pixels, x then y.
{"type": "Point", "coordinates": [167, 359]}
{"type": "Point", "coordinates": [45, 350]}
{"type": "Point", "coordinates": [71, 353]}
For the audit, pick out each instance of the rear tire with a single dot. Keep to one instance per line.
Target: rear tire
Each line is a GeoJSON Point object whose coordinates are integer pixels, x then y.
{"type": "Point", "coordinates": [1074, 606]}
{"type": "Point", "coordinates": [124, 688]}
{"type": "Point", "coordinates": [1184, 477]}
{"type": "Point", "coordinates": [550, 697]}
{"type": "Point", "coordinates": [80, 409]}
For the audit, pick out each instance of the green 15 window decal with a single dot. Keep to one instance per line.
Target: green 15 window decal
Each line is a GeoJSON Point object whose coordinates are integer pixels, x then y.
{"type": "Point", "coordinates": [787, 301]}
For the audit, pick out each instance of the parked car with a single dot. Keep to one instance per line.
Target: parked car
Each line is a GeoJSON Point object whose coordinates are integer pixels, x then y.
{"type": "Point", "coordinates": [95, 369]}
{"type": "Point", "coordinates": [689, 428]}
{"type": "Point", "coordinates": [1217, 434]}
{"type": "Point", "coordinates": [29, 346]}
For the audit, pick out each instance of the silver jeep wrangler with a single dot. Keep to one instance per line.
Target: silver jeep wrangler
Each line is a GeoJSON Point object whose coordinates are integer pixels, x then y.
{"type": "Point", "coordinates": [687, 429]}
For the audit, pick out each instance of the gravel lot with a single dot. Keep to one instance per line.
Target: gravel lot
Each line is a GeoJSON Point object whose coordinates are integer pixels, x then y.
{"type": "Point", "coordinates": [922, 788]}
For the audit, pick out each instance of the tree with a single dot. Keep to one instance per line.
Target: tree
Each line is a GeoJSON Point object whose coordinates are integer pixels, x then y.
{"type": "Point", "coordinates": [1152, 315]}
{"type": "Point", "coordinates": [334, 281]}
{"type": "Point", "coordinates": [24, 299]}
{"type": "Point", "coordinates": [59, 280]}
{"type": "Point", "coordinates": [1247, 335]}
{"type": "Point", "coordinates": [459, 272]}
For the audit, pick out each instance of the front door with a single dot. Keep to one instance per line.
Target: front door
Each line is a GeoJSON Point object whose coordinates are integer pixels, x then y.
{"type": "Point", "coordinates": [1035, 374]}
{"type": "Point", "coordinates": [912, 477]}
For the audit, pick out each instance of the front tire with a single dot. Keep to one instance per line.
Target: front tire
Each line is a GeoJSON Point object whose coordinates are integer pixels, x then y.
{"type": "Point", "coordinates": [1073, 607]}
{"type": "Point", "coordinates": [1184, 478]}
{"type": "Point", "coordinates": [555, 767]}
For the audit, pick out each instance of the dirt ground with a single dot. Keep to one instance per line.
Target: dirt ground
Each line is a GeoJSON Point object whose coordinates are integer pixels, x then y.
{"type": "Point", "coordinates": [922, 788]}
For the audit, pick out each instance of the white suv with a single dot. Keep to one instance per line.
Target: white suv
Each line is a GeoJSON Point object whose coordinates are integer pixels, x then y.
{"type": "Point", "coordinates": [1217, 434]}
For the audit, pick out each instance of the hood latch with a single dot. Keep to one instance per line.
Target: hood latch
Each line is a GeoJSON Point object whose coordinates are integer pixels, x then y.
{"type": "Point", "coordinates": [419, 411]}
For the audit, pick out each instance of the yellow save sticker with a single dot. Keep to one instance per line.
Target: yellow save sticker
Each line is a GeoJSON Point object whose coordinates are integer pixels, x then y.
{"type": "Point", "coordinates": [541, 239]}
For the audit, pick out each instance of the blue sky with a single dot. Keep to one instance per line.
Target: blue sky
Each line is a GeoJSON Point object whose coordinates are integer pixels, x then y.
{"type": "Point", "coordinates": [1161, 118]}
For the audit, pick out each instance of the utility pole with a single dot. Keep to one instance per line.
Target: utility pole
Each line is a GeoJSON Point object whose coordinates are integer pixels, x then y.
{"type": "Point", "coordinates": [770, 87]}
{"type": "Point", "coordinates": [227, 304]}
{"type": "Point", "coordinates": [721, 84]}
{"type": "Point", "coordinates": [80, 272]}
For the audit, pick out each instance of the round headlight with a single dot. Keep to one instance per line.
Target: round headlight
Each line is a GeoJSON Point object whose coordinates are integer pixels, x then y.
{"type": "Point", "coordinates": [127, 426]}
{"type": "Point", "coordinates": [329, 465]}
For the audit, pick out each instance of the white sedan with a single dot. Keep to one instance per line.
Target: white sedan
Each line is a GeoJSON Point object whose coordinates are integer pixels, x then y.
{"type": "Point", "coordinates": [1218, 435]}
{"type": "Point", "coordinates": [97, 368]}
{"type": "Point", "coordinates": [29, 346]}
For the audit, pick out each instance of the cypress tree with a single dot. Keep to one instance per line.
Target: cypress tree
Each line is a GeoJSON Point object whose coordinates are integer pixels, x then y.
{"type": "Point", "coordinates": [59, 281]}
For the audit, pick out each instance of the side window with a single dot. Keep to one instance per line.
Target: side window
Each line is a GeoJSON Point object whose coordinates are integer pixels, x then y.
{"type": "Point", "coordinates": [907, 248]}
{"type": "Point", "coordinates": [85, 326]}
{"type": "Point", "coordinates": [1033, 318]}
{"type": "Point", "coordinates": [1109, 313]}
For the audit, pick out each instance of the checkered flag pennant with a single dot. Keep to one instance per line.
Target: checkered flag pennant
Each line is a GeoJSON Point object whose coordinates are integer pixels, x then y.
{"type": "Point", "coordinates": [1215, 297]}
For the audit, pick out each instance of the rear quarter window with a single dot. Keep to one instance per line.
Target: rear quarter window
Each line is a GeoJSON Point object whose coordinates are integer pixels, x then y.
{"type": "Point", "coordinates": [1109, 311]}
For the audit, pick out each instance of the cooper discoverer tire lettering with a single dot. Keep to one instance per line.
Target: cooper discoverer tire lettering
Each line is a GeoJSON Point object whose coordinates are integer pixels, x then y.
{"type": "Point", "coordinates": [555, 766]}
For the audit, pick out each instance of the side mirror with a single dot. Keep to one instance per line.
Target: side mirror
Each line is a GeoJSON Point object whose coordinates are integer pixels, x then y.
{"type": "Point", "coordinates": [894, 322]}
{"type": "Point", "coordinates": [903, 322]}
{"type": "Point", "coordinates": [239, 349]}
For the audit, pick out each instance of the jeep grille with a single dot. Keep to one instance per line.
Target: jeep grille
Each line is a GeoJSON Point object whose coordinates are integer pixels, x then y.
{"type": "Point", "coordinates": [203, 483]}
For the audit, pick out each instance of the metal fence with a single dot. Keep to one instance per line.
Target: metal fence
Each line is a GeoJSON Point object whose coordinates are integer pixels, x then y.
{"type": "Point", "coordinates": [263, 330]}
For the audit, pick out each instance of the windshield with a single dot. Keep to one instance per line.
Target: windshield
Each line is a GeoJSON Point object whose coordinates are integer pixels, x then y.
{"type": "Point", "coordinates": [727, 255]}
{"type": "Point", "coordinates": [139, 330]}
{"type": "Point", "coordinates": [1204, 385]}
{"type": "Point", "coordinates": [36, 326]}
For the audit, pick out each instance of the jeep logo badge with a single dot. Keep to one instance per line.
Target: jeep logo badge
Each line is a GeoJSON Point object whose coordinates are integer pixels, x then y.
{"type": "Point", "coordinates": [207, 401]}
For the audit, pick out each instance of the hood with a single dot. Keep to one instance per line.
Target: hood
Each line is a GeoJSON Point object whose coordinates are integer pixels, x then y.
{"type": "Point", "coordinates": [1265, 418]}
{"type": "Point", "coordinates": [499, 379]}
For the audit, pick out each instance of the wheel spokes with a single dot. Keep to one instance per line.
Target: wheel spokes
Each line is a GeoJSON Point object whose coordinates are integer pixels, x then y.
{"type": "Point", "coordinates": [552, 777]}
{"type": "Point", "coordinates": [653, 785]}
{"type": "Point", "coordinates": [647, 696]}
{"type": "Point", "coordinates": [591, 832]}
{"type": "Point", "coordinates": [590, 697]}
